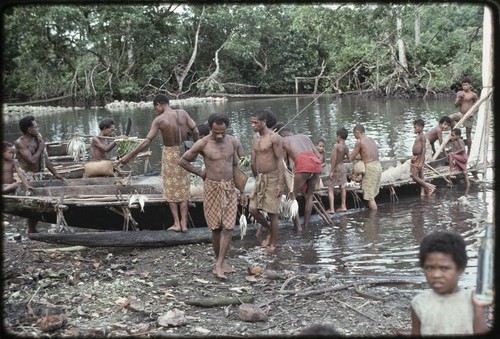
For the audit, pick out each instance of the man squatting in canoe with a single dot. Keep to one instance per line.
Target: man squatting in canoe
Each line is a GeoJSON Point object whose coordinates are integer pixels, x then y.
{"type": "Point", "coordinates": [267, 168]}
{"type": "Point", "coordinates": [307, 168]}
{"type": "Point", "coordinates": [220, 203]}
{"type": "Point", "coordinates": [176, 181]}
{"type": "Point", "coordinates": [367, 149]}
{"type": "Point", "coordinates": [32, 157]}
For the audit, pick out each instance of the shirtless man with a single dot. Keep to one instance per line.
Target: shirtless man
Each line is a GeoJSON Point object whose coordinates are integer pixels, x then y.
{"type": "Point", "coordinates": [307, 169]}
{"type": "Point", "coordinates": [32, 157]}
{"type": "Point", "coordinates": [435, 134]}
{"type": "Point", "coordinates": [176, 181]}
{"type": "Point", "coordinates": [30, 151]}
{"type": "Point", "coordinates": [465, 100]}
{"type": "Point", "coordinates": [100, 144]}
{"type": "Point", "coordinates": [220, 203]}
{"type": "Point", "coordinates": [367, 149]}
{"type": "Point", "coordinates": [418, 159]}
{"type": "Point", "coordinates": [267, 168]}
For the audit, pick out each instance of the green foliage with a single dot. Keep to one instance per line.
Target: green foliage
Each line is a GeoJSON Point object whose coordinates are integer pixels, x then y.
{"type": "Point", "coordinates": [132, 51]}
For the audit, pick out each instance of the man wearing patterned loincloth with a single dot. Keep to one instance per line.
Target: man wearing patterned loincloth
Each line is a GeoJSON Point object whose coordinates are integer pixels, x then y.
{"type": "Point", "coordinates": [219, 151]}
{"type": "Point", "coordinates": [176, 183]}
{"type": "Point", "coordinates": [367, 149]}
{"type": "Point", "coordinates": [267, 168]}
{"type": "Point", "coordinates": [307, 169]}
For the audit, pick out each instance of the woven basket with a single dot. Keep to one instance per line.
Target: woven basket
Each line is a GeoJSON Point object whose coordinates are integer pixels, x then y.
{"type": "Point", "coordinates": [99, 168]}
{"type": "Point", "coordinates": [240, 179]}
{"type": "Point", "coordinates": [125, 146]}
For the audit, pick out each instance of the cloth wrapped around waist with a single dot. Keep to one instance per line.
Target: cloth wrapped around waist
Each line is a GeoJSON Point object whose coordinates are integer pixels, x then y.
{"type": "Point", "coordinates": [264, 193]}
{"type": "Point", "coordinates": [307, 162]}
{"type": "Point", "coordinates": [220, 204]}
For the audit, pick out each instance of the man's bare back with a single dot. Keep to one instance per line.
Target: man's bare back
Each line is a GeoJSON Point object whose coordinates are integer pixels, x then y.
{"type": "Point", "coordinates": [297, 143]}
{"type": "Point", "coordinates": [366, 148]}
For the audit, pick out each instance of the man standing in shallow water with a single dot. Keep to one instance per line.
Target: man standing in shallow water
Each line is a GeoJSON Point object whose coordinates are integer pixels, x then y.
{"type": "Point", "coordinates": [176, 181]}
{"type": "Point", "coordinates": [367, 149]}
{"type": "Point", "coordinates": [307, 169]}
{"type": "Point", "coordinates": [267, 168]}
{"type": "Point", "coordinates": [220, 205]}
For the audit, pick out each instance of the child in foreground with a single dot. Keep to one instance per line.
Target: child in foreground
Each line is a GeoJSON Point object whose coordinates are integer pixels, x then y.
{"type": "Point", "coordinates": [446, 309]}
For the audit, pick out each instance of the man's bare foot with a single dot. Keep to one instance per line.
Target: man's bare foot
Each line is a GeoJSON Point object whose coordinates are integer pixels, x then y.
{"type": "Point", "coordinates": [219, 274]}
{"type": "Point", "coordinates": [264, 242]}
{"type": "Point", "coordinates": [228, 268]}
{"type": "Point", "coordinates": [175, 228]}
{"type": "Point", "coordinates": [343, 209]}
{"type": "Point", "coordinates": [430, 191]}
{"type": "Point", "coordinates": [184, 229]}
{"type": "Point", "coordinates": [330, 211]}
{"type": "Point", "coordinates": [270, 249]}
{"type": "Point", "coordinates": [258, 233]}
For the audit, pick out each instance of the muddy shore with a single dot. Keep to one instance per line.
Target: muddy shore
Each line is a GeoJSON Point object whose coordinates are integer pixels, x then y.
{"type": "Point", "coordinates": [94, 292]}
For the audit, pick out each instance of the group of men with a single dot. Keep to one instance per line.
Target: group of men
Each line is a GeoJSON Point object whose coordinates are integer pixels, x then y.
{"type": "Point", "coordinates": [272, 143]}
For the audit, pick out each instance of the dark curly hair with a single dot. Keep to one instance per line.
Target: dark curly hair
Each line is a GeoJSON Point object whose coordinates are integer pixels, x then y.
{"type": "Point", "coordinates": [444, 242]}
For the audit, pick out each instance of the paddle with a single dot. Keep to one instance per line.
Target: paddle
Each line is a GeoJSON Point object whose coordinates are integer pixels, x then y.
{"type": "Point", "coordinates": [129, 126]}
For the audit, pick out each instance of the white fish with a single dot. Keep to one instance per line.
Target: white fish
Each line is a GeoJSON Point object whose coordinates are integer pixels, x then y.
{"type": "Point", "coordinates": [294, 209]}
{"type": "Point", "coordinates": [141, 199]}
{"type": "Point", "coordinates": [243, 225]}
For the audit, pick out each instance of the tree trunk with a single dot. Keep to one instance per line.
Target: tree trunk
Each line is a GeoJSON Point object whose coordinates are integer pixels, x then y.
{"type": "Point", "coordinates": [401, 44]}
{"type": "Point", "coordinates": [417, 27]}
{"type": "Point", "coordinates": [184, 72]}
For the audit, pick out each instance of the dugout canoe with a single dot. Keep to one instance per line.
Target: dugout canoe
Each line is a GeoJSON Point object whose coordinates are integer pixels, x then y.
{"type": "Point", "coordinates": [147, 238]}
{"type": "Point", "coordinates": [114, 203]}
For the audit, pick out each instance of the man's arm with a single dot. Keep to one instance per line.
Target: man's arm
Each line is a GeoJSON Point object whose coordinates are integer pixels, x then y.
{"type": "Point", "coordinates": [25, 153]}
{"type": "Point", "coordinates": [355, 151]}
{"type": "Point", "coordinates": [145, 143]}
{"type": "Point", "coordinates": [459, 99]}
{"type": "Point", "coordinates": [186, 160]}
{"type": "Point", "coordinates": [103, 146]}
{"type": "Point", "coordinates": [278, 153]}
{"type": "Point", "coordinates": [21, 175]}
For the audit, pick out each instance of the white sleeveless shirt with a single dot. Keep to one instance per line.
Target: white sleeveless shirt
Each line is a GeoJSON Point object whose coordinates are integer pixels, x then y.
{"type": "Point", "coordinates": [444, 313]}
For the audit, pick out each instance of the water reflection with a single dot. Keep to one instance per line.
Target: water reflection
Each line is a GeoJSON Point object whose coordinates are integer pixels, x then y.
{"type": "Point", "coordinates": [384, 242]}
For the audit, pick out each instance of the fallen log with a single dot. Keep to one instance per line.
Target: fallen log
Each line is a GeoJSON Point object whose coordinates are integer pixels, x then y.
{"type": "Point", "coordinates": [146, 238]}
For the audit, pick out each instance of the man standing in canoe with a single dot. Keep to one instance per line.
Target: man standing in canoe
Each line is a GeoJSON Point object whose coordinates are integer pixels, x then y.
{"type": "Point", "coordinates": [220, 205]}
{"type": "Point", "coordinates": [32, 156]}
{"type": "Point", "coordinates": [176, 183]}
{"type": "Point", "coordinates": [367, 149]}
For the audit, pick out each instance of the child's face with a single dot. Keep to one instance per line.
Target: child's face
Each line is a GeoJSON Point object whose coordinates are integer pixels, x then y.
{"type": "Point", "coordinates": [444, 126]}
{"type": "Point", "coordinates": [453, 136]}
{"type": "Point", "coordinates": [465, 86]}
{"type": "Point", "coordinates": [321, 147]}
{"type": "Point", "coordinates": [417, 129]}
{"type": "Point", "coordinates": [441, 272]}
{"type": "Point", "coordinates": [8, 154]}
{"type": "Point", "coordinates": [109, 131]}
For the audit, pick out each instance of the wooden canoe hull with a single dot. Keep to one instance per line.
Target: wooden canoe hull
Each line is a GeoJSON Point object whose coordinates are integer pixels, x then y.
{"type": "Point", "coordinates": [104, 203]}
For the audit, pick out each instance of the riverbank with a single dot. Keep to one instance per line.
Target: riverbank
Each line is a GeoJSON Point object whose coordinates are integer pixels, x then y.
{"type": "Point", "coordinates": [11, 112]}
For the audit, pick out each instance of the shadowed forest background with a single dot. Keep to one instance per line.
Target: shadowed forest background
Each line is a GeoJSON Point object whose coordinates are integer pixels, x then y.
{"type": "Point", "coordinates": [88, 55]}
